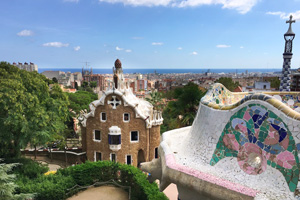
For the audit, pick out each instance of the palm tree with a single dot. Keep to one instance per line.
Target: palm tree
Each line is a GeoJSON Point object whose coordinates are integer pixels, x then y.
{"type": "Point", "coordinates": [155, 100]}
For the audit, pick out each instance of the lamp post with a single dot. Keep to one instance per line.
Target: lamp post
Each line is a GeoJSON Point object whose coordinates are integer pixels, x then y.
{"type": "Point", "coordinates": [289, 36]}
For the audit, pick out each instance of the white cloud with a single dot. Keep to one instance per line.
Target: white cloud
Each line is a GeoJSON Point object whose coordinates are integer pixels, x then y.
{"type": "Point", "coordinates": [118, 48]}
{"type": "Point", "coordinates": [283, 15]}
{"type": "Point", "coordinates": [223, 46]}
{"type": "Point", "coordinates": [55, 44]}
{"type": "Point", "coordinates": [137, 38]}
{"type": "Point", "coordinates": [179, 48]}
{"type": "Point", "coordinates": [72, 1]}
{"type": "Point", "coordinates": [157, 43]}
{"type": "Point", "coordinates": [194, 53]}
{"type": "Point", "coordinates": [241, 47]}
{"type": "Point", "coordinates": [148, 3]}
{"type": "Point", "coordinates": [25, 33]}
{"type": "Point", "coordinates": [242, 6]}
{"type": "Point", "coordinates": [128, 50]}
{"type": "Point", "coordinates": [77, 48]}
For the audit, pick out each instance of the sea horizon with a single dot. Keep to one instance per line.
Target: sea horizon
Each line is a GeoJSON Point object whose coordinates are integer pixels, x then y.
{"type": "Point", "coordinates": [165, 71]}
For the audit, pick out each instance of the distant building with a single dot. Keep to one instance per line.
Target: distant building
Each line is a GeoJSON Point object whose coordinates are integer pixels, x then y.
{"type": "Point", "coordinates": [139, 85]}
{"type": "Point", "coordinates": [52, 74]}
{"type": "Point", "coordinates": [121, 127]}
{"type": "Point", "coordinates": [261, 85]}
{"type": "Point", "coordinates": [88, 76]}
{"type": "Point", "coordinates": [28, 67]}
{"type": "Point", "coordinates": [65, 79]}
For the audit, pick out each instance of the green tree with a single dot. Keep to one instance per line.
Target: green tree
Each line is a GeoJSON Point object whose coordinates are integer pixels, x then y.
{"type": "Point", "coordinates": [81, 100]}
{"type": "Point", "coordinates": [8, 185]}
{"type": "Point", "coordinates": [155, 100]}
{"type": "Point", "coordinates": [54, 79]}
{"type": "Point", "coordinates": [93, 84]}
{"type": "Point", "coordinates": [30, 112]}
{"type": "Point", "coordinates": [182, 112]}
{"type": "Point", "coordinates": [275, 82]}
{"type": "Point", "coordinates": [228, 83]}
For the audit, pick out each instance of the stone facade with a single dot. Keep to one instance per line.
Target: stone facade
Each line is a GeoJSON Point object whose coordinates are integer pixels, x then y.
{"type": "Point", "coordinates": [129, 127]}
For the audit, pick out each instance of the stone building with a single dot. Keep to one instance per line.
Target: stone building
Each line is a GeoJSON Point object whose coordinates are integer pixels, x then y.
{"type": "Point", "coordinates": [28, 67]}
{"type": "Point", "coordinates": [121, 127]}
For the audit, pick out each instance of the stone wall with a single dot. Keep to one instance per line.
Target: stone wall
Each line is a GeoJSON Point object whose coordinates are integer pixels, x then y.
{"type": "Point", "coordinates": [115, 118]}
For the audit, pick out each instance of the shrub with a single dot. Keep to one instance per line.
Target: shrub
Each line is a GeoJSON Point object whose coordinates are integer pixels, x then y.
{"type": "Point", "coordinates": [57, 186]}
{"type": "Point", "coordinates": [51, 187]}
{"type": "Point", "coordinates": [28, 167]}
{"type": "Point", "coordinates": [101, 171]}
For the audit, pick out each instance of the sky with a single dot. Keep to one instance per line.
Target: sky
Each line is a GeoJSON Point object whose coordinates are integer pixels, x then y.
{"type": "Point", "coordinates": [148, 33]}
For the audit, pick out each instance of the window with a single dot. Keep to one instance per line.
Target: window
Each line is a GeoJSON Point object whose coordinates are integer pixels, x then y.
{"type": "Point", "coordinates": [134, 136]}
{"type": "Point", "coordinates": [128, 159]}
{"type": "Point", "coordinates": [113, 157]}
{"type": "Point", "coordinates": [114, 139]}
{"type": "Point", "coordinates": [156, 152]}
{"type": "Point", "coordinates": [98, 156]}
{"type": "Point", "coordinates": [97, 135]}
{"type": "Point", "coordinates": [103, 116]}
{"type": "Point", "coordinates": [126, 117]}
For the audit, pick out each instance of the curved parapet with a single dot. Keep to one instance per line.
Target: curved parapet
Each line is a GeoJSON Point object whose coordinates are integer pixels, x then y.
{"type": "Point", "coordinates": [240, 146]}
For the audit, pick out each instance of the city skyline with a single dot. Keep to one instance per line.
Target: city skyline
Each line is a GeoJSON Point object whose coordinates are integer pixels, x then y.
{"type": "Point", "coordinates": [148, 33]}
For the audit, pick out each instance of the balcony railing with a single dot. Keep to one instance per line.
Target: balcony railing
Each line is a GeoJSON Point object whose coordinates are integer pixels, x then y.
{"type": "Point", "coordinates": [115, 147]}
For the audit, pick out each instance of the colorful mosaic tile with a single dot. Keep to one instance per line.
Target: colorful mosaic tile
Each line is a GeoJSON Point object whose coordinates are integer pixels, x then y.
{"type": "Point", "coordinates": [258, 137]}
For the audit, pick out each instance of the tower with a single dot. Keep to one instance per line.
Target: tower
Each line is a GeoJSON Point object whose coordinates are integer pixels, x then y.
{"type": "Point", "coordinates": [118, 75]}
{"type": "Point", "coordinates": [287, 56]}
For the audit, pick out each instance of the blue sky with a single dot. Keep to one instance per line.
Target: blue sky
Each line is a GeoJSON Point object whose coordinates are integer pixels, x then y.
{"type": "Point", "coordinates": [148, 33]}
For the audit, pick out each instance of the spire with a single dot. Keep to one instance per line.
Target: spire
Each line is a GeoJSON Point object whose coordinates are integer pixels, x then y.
{"type": "Point", "coordinates": [289, 36]}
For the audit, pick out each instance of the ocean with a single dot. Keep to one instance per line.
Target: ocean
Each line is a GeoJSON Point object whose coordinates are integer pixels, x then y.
{"type": "Point", "coordinates": [161, 71]}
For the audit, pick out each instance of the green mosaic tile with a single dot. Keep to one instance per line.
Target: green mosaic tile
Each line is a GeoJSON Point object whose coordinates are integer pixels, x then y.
{"type": "Point", "coordinates": [288, 178]}
{"type": "Point", "coordinates": [295, 180]}
{"type": "Point", "coordinates": [292, 186]}
{"type": "Point", "coordinates": [273, 164]}
{"type": "Point", "coordinates": [294, 167]}
{"type": "Point", "coordinates": [290, 148]}
{"type": "Point", "coordinates": [272, 115]}
{"type": "Point", "coordinates": [268, 162]}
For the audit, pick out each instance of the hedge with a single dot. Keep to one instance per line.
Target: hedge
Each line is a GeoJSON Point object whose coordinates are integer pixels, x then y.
{"type": "Point", "coordinates": [101, 171]}
{"type": "Point", "coordinates": [57, 186]}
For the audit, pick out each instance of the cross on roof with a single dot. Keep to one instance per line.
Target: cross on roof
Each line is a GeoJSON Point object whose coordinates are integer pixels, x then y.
{"type": "Point", "coordinates": [115, 102]}
{"type": "Point", "coordinates": [291, 21]}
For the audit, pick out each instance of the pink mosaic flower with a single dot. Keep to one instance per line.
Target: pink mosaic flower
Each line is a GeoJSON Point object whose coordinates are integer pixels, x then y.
{"type": "Point", "coordinates": [251, 159]}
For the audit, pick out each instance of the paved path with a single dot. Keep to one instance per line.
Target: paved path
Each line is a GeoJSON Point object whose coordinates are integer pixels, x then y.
{"type": "Point", "coordinates": [171, 192]}
{"type": "Point", "coordinates": [103, 192]}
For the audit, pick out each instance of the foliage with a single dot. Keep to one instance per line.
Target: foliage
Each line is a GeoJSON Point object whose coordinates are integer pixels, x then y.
{"type": "Point", "coordinates": [93, 84]}
{"type": "Point", "coordinates": [58, 185]}
{"type": "Point", "coordinates": [51, 187]}
{"type": "Point", "coordinates": [81, 100]}
{"type": "Point", "coordinates": [182, 112]}
{"type": "Point", "coordinates": [275, 82]}
{"type": "Point", "coordinates": [91, 172]}
{"type": "Point", "coordinates": [30, 112]}
{"type": "Point", "coordinates": [155, 100]}
{"type": "Point", "coordinates": [27, 167]}
{"type": "Point", "coordinates": [228, 83]}
{"type": "Point", "coordinates": [7, 184]}
{"type": "Point", "coordinates": [54, 79]}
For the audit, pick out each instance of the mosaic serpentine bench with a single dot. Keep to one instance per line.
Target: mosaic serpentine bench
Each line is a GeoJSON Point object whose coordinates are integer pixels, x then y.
{"type": "Point", "coordinates": [240, 146]}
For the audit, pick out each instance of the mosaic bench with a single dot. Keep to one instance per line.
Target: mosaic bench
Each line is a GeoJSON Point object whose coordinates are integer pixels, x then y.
{"type": "Point", "coordinates": [240, 146]}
